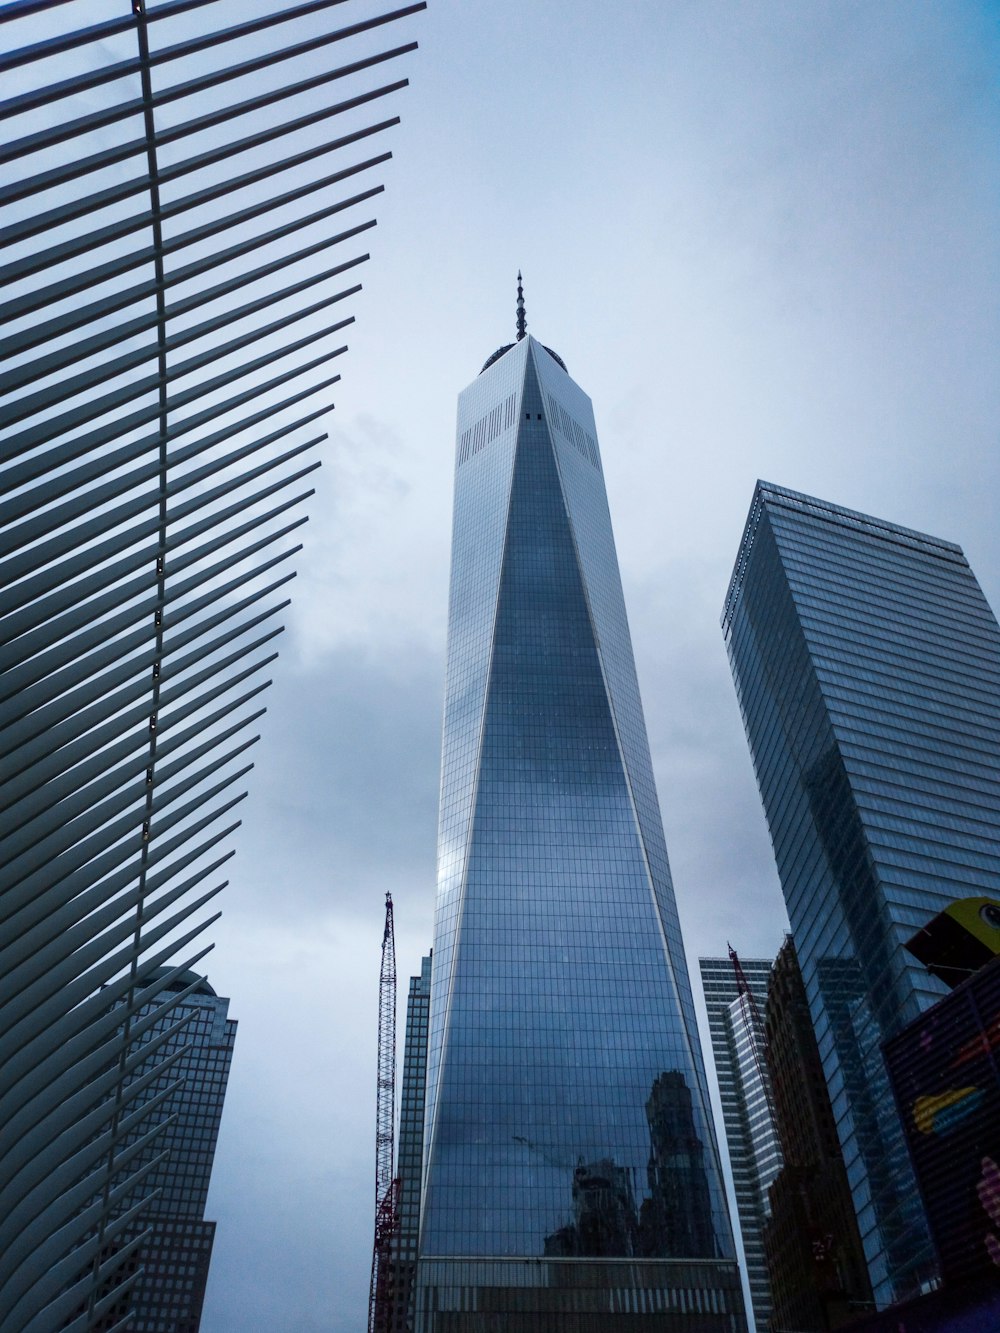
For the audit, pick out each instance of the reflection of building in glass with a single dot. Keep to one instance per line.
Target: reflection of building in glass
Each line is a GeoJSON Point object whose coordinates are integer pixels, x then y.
{"type": "Point", "coordinates": [175, 1255]}
{"type": "Point", "coordinates": [676, 1219]}
{"type": "Point", "coordinates": [819, 1278]}
{"type": "Point", "coordinates": [867, 664]}
{"type": "Point", "coordinates": [411, 1145]}
{"type": "Point", "coordinates": [559, 992]}
{"type": "Point", "coordinates": [754, 1154]}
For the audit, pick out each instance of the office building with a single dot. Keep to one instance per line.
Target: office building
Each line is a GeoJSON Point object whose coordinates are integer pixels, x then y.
{"type": "Point", "coordinates": [867, 664]}
{"type": "Point", "coordinates": [815, 1259]}
{"type": "Point", "coordinates": [567, 1108]}
{"type": "Point", "coordinates": [182, 223]}
{"type": "Point", "coordinates": [176, 1249]}
{"type": "Point", "coordinates": [735, 1026]}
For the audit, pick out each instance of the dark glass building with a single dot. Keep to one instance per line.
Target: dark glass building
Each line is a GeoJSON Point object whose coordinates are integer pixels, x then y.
{"type": "Point", "coordinates": [867, 664]}
{"type": "Point", "coordinates": [411, 1149]}
{"type": "Point", "coordinates": [197, 1041]}
{"type": "Point", "coordinates": [754, 1154]}
{"type": "Point", "coordinates": [819, 1277]}
{"type": "Point", "coordinates": [571, 1175]}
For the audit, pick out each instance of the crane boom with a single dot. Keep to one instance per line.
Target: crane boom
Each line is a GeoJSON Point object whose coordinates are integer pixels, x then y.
{"type": "Point", "coordinates": [386, 1185]}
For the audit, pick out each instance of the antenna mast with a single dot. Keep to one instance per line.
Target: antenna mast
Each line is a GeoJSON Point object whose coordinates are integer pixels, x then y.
{"type": "Point", "coordinates": [386, 1183]}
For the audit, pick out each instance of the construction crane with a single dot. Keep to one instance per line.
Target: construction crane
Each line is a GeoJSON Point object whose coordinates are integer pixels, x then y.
{"type": "Point", "coordinates": [386, 1182]}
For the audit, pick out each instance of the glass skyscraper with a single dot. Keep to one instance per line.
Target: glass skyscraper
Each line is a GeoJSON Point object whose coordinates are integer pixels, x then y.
{"type": "Point", "coordinates": [571, 1175]}
{"type": "Point", "coordinates": [740, 1064]}
{"type": "Point", "coordinates": [867, 664]}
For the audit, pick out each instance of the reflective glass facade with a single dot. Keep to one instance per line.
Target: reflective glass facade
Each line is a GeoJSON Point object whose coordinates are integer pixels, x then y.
{"type": "Point", "coordinates": [867, 664]}
{"type": "Point", "coordinates": [566, 1100]}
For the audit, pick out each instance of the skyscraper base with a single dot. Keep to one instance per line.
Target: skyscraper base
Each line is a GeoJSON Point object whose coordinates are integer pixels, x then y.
{"type": "Point", "coordinates": [578, 1296]}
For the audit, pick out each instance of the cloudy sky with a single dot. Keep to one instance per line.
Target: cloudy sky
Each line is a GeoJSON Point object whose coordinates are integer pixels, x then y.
{"type": "Point", "coordinates": [763, 237]}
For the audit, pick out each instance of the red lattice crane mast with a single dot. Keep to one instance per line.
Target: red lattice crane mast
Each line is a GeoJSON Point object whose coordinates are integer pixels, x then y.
{"type": "Point", "coordinates": [386, 1183]}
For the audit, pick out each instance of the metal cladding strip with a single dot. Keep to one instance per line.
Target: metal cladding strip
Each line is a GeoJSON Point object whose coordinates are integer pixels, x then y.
{"type": "Point", "coordinates": [70, 1122]}
{"type": "Point", "coordinates": [72, 741]}
{"type": "Point", "coordinates": [48, 664]}
{"type": "Point", "coordinates": [55, 626]}
{"type": "Point", "coordinates": [101, 849]}
{"type": "Point", "coordinates": [36, 696]}
{"type": "Point", "coordinates": [25, 1262]}
{"type": "Point", "coordinates": [53, 427]}
{"type": "Point", "coordinates": [67, 793]}
{"type": "Point", "coordinates": [107, 434]}
{"type": "Point", "coordinates": [79, 207]}
{"type": "Point", "coordinates": [38, 1187]}
{"type": "Point", "coordinates": [28, 589]}
{"type": "Point", "coordinates": [81, 1032]}
{"type": "Point", "coordinates": [51, 1006]}
{"type": "Point", "coordinates": [131, 783]}
{"type": "Point", "coordinates": [122, 69]}
{"type": "Point", "coordinates": [48, 960]}
{"type": "Point", "coordinates": [113, 232]}
{"type": "Point", "coordinates": [49, 942]}
{"type": "Point", "coordinates": [73, 170]}
{"type": "Point", "coordinates": [110, 793]}
{"type": "Point", "coordinates": [66, 613]}
{"type": "Point", "coordinates": [41, 400]}
{"type": "Point", "coordinates": [64, 1285]}
{"type": "Point", "coordinates": [33, 923]}
{"type": "Point", "coordinates": [63, 888]}
{"type": "Point", "coordinates": [62, 1291]}
{"type": "Point", "coordinates": [97, 32]}
{"type": "Point", "coordinates": [76, 1143]}
{"type": "Point", "coordinates": [90, 1053]}
{"type": "Point", "coordinates": [99, 340]}
{"type": "Point", "coordinates": [66, 722]}
{"type": "Point", "coordinates": [65, 483]}
{"type": "Point", "coordinates": [110, 115]}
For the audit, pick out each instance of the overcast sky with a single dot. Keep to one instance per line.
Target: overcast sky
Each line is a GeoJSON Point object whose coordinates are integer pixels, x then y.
{"type": "Point", "coordinates": [763, 237]}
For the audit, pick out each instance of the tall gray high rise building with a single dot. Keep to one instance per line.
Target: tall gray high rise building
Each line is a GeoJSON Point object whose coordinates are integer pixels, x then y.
{"type": "Point", "coordinates": [738, 1043]}
{"type": "Point", "coordinates": [867, 664]}
{"type": "Point", "coordinates": [571, 1174]}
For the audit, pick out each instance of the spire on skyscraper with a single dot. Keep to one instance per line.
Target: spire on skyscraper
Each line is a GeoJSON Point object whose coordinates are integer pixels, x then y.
{"type": "Point", "coordinates": [522, 323]}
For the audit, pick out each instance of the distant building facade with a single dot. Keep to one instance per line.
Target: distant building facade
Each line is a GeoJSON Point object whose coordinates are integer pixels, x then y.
{"type": "Point", "coordinates": [174, 1258]}
{"type": "Point", "coordinates": [819, 1278]}
{"type": "Point", "coordinates": [411, 1147]}
{"type": "Point", "coordinates": [867, 664]}
{"type": "Point", "coordinates": [754, 1153]}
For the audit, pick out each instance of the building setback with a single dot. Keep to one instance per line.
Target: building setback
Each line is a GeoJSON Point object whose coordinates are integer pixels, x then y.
{"type": "Point", "coordinates": [754, 1154]}
{"type": "Point", "coordinates": [571, 1174]}
{"type": "Point", "coordinates": [867, 664]}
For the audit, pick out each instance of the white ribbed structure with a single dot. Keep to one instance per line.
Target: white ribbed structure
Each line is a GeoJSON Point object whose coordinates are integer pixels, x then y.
{"type": "Point", "coordinates": [159, 384]}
